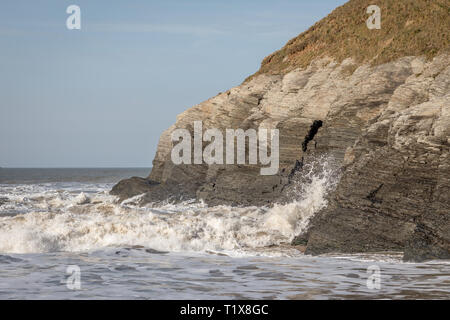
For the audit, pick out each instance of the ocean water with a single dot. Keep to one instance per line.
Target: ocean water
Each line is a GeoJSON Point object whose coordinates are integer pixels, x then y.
{"type": "Point", "coordinates": [62, 236]}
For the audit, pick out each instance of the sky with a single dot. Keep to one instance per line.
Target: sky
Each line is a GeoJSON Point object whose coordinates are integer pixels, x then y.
{"type": "Point", "coordinates": [101, 96]}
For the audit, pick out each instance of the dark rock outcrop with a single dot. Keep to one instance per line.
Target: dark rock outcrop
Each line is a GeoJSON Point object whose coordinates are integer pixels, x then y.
{"type": "Point", "coordinates": [134, 186]}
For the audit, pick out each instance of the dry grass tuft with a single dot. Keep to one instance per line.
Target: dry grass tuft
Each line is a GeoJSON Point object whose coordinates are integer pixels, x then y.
{"type": "Point", "coordinates": [408, 27]}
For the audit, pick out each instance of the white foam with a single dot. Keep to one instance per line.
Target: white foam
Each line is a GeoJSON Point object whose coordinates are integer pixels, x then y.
{"type": "Point", "coordinates": [69, 221]}
{"type": "Point", "coordinates": [81, 199]}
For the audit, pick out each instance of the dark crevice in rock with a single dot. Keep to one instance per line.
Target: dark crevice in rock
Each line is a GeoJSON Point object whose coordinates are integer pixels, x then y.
{"type": "Point", "coordinates": [312, 132]}
{"type": "Point", "coordinates": [372, 196]}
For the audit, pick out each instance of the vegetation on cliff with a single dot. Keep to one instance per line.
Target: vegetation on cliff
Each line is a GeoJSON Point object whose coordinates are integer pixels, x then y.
{"type": "Point", "coordinates": [408, 28]}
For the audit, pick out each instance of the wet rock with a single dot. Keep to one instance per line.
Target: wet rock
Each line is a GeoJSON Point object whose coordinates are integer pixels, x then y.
{"type": "Point", "coordinates": [387, 126]}
{"type": "Point", "coordinates": [134, 186]}
{"type": "Point", "coordinates": [425, 245]}
{"type": "Point", "coordinates": [3, 200]}
{"type": "Point", "coordinates": [395, 190]}
{"type": "Point", "coordinates": [153, 251]}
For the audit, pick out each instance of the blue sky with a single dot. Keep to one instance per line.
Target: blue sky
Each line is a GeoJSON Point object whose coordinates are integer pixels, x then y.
{"type": "Point", "coordinates": [102, 95]}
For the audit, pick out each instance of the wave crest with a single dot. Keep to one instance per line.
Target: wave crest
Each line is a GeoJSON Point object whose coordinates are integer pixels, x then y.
{"type": "Point", "coordinates": [74, 221]}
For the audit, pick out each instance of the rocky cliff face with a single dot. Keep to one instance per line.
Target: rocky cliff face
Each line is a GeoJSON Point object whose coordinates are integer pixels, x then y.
{"type": "Point", "coordinates": [395, 190]}
{"type": "Point", "coordinates": [386, 125]}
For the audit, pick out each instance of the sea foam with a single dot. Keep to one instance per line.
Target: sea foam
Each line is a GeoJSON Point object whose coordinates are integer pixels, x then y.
{"type": "Point", "coordinates": [70, 220]}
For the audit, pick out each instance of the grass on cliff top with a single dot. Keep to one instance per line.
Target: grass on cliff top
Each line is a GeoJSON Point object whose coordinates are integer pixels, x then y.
{"type": "Point", "coordinates": [408, 28]}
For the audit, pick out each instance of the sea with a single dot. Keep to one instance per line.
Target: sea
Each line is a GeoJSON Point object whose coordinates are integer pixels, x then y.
{"type": "Point", "coordinates": [62, 236]}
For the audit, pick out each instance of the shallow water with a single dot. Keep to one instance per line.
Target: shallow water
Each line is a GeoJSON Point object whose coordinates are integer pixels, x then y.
{"type": "Point", "coordinates": [126, 273]}
{"type": "Point", "coordinates": [186, 251]}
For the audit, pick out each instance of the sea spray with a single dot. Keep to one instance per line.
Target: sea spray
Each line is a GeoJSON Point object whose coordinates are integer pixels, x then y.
{"type": "Point", "coordinates": [70, 220]}
{"type": "Point", "coordinates": [309, 189]}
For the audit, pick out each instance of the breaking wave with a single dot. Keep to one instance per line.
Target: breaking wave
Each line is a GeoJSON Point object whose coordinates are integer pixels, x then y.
{"type": "Point", "coordinates": [42, 218]}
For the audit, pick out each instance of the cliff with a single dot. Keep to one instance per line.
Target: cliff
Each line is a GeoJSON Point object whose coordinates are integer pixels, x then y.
{"type": "Point", "coordinates": [376, 101]}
